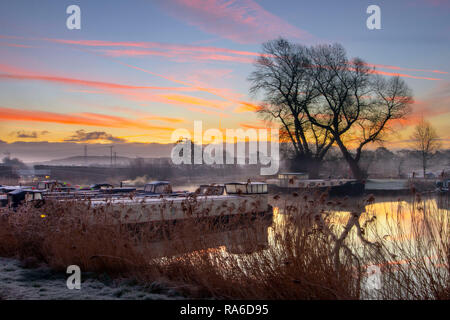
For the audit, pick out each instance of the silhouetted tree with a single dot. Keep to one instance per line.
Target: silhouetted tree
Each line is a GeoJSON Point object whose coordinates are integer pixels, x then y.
{"type": "Point", "coordinates": [353, 103]}
{"type": "Point", "coordinates": [320, 97]}
{"type": "Point", "coordinates": [282, 77]}
{"type": "Point", "coordinates": [425, 142]}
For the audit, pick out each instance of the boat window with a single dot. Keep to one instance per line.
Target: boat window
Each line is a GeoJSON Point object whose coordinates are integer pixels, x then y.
{"type": "Point", "coordinates": [148, 188]}
{"type": "Point", "coordinates": [211, 190]}
{"type": "Point", "coordinates": [159, 188]}
{"type": "Point", "coordinates": [41, 185]}
{"type": "Point", "coordinates": [163, 188]}
{"type": "Point", "coordinates": [29, 197]}
{"type": "Point", "coordinates": [236, 188]}
{"type": "Point", "coordinates": [250, 188]}
{"type": "Point", "coordinates": [38, 196]}
{"type": "Point", "coordinates": [231, 188]}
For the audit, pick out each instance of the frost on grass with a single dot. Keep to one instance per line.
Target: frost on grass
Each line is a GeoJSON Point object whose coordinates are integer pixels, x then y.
{"type": "Point", "coordinates": [42, 283]}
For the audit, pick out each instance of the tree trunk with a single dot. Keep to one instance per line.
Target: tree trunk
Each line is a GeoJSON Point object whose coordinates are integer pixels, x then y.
{"type": "Point", "coordinates": [357, 173]}
{"type": "Point", "coordinates": [424, 165]}
{"type": "Point", "coordinates": [304, 163]}
{"type": "Point", "coordinates": [314, 168]}
{"type": "Point", "coordinates": [299, 164]}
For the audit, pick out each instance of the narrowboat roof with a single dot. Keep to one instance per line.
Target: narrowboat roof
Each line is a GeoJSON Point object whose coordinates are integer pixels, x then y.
{"type": "Point", "coordinates": [101, 185]}
{"type": "Point", "coordinates": [159, 182]}
{"type": "Point", "coordinates": [293, 173]}
{"type": "Point", "coordinates": [9, 188]}
{"type": "Point", "coordinates": [245, 183]}
{"type": "Point", "coordinates": [19, 191]}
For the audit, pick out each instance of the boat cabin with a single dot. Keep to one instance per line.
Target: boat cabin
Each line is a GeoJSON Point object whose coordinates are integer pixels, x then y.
{"type": "Point", "coordinates": [45, 185]}
{"type": "Point", "coordinates": [158, 187]}
{"type": "Point", "coordinates": [242, 188]}
{"type": "Point", "coordinates": [101, 186]}
{"type": "Point", "coordinates": [18, 196]}
{"type": "Point", "coordinates": [211, 190]}
{"type": "Point", "coordinates": [443, 185]}
{"type": "Point", "coordinates": [3, 200]}
{"type": "Point", "coordinates": [293, 175]}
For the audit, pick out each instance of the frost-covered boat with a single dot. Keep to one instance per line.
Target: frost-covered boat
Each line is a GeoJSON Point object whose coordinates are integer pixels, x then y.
{"type": "Point", "coordinates": [442, 185]}
{"type": "Point", "coordinates": [297, 181]}
{"type": "Point", "coordinates": [241, 199]}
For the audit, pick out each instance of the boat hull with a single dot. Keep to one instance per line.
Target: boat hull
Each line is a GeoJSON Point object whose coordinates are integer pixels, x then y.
{"type": "Point", "coordinates": [349, 188]}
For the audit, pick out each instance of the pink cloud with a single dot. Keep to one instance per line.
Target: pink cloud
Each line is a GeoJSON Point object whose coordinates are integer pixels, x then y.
{"type": "Point", "coordinates": [79, 82]}
{"type": "Point", "coordinates": [403, 75]}
{"type": "Point", "coordinates": [130, 92]}
{"type": "Point", "coordinates": [241, 21]}
{"type": "Point", "coordinates": [15, 45]}
{"type": "Point", "coordinates": [178, 56]}
{"type": "Point", "coordinates": [174, 51]}
{"type": "Point", "coordinates": [435, 103]}
{"type": "Point", "coordinates": [382, 66]}
{"type": "Point", "coordinates": [437, 3]}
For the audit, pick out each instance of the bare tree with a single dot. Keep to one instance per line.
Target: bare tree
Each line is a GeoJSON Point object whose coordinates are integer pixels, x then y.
{"type": "Point", "coordinates": [320, 97]}
{"type": "Point", "coordinates": [354, 104]}
{"type": "Point", "coordinates": [425, 142]}
{"type": "Point", "coordinates": [282, 76]}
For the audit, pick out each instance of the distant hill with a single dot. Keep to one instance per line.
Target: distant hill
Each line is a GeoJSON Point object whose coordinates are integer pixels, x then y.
{"type": "Point", "coordinates": [89, 161]}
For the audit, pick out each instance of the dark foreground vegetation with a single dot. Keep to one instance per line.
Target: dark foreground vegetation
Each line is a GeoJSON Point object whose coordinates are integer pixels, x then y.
{"type": "Point", "coordinates": [316, 249]}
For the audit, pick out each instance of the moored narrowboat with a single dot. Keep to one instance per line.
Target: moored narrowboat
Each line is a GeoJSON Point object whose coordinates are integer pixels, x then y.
{"type": "Point", "coordinates": [297, 181]}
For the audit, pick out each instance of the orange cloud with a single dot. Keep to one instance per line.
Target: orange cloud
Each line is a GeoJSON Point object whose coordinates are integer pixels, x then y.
{"type": "Point", "coordinates": [247, 107]}
{"type": "Point", "coordinates": [208, 112]}
{"type": "Point", "coordinates": [243, 105]}
{"type": "Point", "coordinates": [182, 99]}
{"type": "Point", "coordinates": [258, 124]}
{"type": "Point", "coordinates": [88, 119]}
{"type": "Point", "coordinates": [145, 115]}
{"type": "Point", "coordinates": [72, 81]}
{"type": "Point", "coordinates": [130, 91]}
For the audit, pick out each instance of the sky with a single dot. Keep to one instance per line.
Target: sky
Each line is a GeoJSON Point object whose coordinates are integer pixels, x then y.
{"type": "Point", "coordinates": [138, 70]}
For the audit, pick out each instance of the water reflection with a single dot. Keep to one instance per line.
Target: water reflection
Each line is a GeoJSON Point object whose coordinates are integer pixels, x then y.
{"type": "Point", "coordinates": [234, 238]}
{"type": "Point", "coordinates": [410, 226]}
{"type": "Point", "coordinates": [387, 219]}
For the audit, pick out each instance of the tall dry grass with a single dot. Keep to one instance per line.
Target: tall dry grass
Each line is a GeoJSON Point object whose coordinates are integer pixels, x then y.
{"type": "Point", "coordinates": [414, 249]}
{"type": "Point", "coordinates": [310, 251]}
